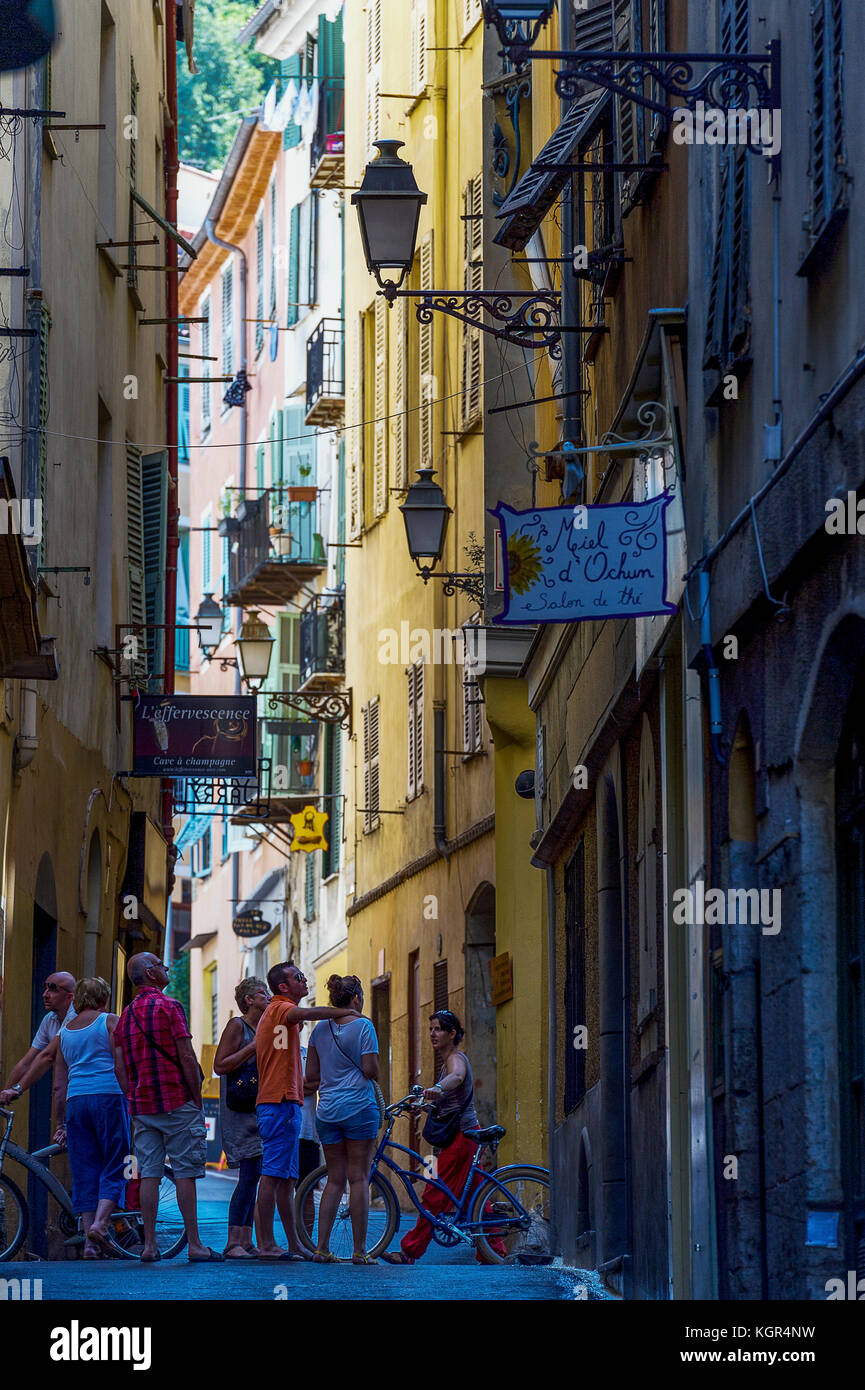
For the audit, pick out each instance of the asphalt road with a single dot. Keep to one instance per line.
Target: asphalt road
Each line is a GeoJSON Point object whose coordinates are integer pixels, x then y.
{"type": "Point", "coordinates": [441, 1275]}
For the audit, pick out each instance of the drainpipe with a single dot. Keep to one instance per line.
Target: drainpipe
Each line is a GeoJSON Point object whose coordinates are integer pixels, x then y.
{"type": "Point", "coordinates": [172, 537]}
{"type": "Point", "coordinates": [27, 742]}
{"type": "Point", "coordinates": [571, 418]}
{"type": "Point", "coordinates": [716, 726]}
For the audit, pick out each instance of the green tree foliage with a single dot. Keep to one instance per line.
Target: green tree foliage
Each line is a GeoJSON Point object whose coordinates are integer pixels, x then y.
{"type": "Point", "coordinates": [232, 81]}
{"type": "Point", "coordinates": [179, 986]}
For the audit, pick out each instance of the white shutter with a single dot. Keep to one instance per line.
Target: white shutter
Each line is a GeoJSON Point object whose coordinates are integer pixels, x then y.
{"type": "Point", "coordinates": [400, 441]}
{"type": "Point", "coordinates": [373, 72]}
{"type": "Point", "coordinates": [473, 281]}
{"type": "Point", "coordinates": [419, 69]}
{"type": "Point", "coordinates": [355, 434]}
{"type": "Point", "coordinates": [380, 495]}
{"type": "Point", "coordinates": [426, 360]}
{"type": "Point", "coordinates": [418, 726]}
{"type": "Point", "coordinates": [471, 13]}
{"type": "Point", "coordinates": [371, 765]}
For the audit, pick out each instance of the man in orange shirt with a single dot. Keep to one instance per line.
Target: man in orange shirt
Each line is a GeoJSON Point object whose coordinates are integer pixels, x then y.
{"type": "Point", "coordinates": [280, 1102]}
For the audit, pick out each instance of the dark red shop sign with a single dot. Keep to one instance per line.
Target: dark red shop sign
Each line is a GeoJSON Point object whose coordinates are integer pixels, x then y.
{"type": "Point", "coordinates": [194, 736]}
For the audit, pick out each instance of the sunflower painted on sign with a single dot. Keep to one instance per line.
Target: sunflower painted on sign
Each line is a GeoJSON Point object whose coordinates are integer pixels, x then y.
{"type": "Point", "coordinates": [524, 563]}
{"type": "Point", "coordinates": [308, 827]}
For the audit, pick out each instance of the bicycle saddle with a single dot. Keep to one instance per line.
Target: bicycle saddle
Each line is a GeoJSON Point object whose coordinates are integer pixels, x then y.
{"type": "Point", "coordinates": [485, 1136]}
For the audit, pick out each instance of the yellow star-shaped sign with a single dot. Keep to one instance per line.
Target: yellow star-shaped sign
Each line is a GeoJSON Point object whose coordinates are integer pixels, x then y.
{"type": "Point", "coordinates": [309, 829]}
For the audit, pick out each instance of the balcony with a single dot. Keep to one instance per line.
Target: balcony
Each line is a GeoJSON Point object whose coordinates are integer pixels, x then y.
{"type": "Point", "coordinates": [275, 549]}
{"type": "Point", "coordinates": [325, 374]}
{"type": "Point", "coordinates": [322, 644]}
{"type": "Point", "coordinates": [327, 155]}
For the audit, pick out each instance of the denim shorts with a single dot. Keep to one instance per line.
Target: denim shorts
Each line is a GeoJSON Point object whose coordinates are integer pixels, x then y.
{"type": "Point", "coordinates": [364, 1124]}
{"type": "Point", "coordinates": [279, 1127]}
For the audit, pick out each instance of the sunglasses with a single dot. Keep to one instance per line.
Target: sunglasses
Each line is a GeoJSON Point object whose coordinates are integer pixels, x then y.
{"type": "Point", "coordinates": [55, 989]}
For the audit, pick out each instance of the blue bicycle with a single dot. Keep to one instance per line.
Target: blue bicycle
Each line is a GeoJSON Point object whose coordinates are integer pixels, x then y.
{"type": "Point", "coordinates": [507, 1210]}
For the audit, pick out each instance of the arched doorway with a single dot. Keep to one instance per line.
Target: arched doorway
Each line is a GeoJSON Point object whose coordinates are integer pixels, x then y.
{"type": "Point", "coordinates": [480, 1011]}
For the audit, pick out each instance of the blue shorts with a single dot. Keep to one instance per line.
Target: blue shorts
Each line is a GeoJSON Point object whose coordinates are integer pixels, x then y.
{"type": "Point", "coordinates": [364, 1124]}
{"type": "Point", "coordinates": [279, 1127]}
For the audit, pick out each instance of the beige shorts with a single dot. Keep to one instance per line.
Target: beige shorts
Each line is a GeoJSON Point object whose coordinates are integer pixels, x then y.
{"type": "Point", "coordinates": [180, 1134]}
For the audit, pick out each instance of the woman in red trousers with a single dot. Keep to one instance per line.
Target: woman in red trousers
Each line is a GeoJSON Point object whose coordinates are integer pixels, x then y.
{"type": "Point", "coordinates": [453, 1092]}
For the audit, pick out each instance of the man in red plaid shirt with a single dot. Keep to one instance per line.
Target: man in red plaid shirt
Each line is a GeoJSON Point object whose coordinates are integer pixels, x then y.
{"type": "Point", "coordinates": [160, 1075]}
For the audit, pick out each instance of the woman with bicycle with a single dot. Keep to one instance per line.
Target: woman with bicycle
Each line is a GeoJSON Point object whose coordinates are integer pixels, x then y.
{"type": "Point", "coordinates": [342, 1065]}
{"type": "Point", "coordinates": [452, 1097]}
{"type": "Point", "coordinates": [97, 1127]}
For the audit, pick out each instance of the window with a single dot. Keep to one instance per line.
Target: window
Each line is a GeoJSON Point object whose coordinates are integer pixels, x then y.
{"type": "Point", "coordinates": [42, 445]}
{"type": "Point", "coordinates": [309, 889]}
{"type": "Point", "coordinates": [473, 716]}
{"type": "Point", "coordinates": [441, 997]}
{"type": "Point", "coordinates": [415, 675]}
{"type": "Point", "coordinates": [228, 320]}
{"type": "Point", "coordinates": [728, 322]}
{"type": "Point", "coordinates": [259, 271]}
{"type": "Point", "coordinates": [224, 580]}
{"type": "Point", "coordinates": [355, 433]}
{"type": "Point", "coordinates": [135, 554]}
{"type": "Point", "coordinates": [373, 73]}
{"type": "Point", "coordinates": [201, 858]}
{"type": "Point", "coordinates": [575, 978]}
{"type": "Point", "coordinates": [307, 268]}
{"type": "Point", "coordinates": [154, 497]}
{"type": "Point", "coordinates": [827, 169]}
{"type": "Point", "coordinates": [399, 322]}
{"type": "Point", "coordinates": [333, 803]}
{"type": "Point", "coordinates": [226, 828]}
{"type": "Point", "coordinates": [107, 195]}
{"type": "Point", "coordinates": [371, 768]}
{"type": "Point", "coordinates": [293, 277]}
{"type": "Point", "coordinates": [206, 552]}
{"type": "Point", "coordinates": [380, 400]}
{"type": "Point", "coordinates": [473, 281]}
{"type": "Point", "coordinates": [419, 63]}
{"type": "Point", "coordinates": [132, 273]}
{"type": "Point", "coordinates": [292, 135]}
{"type": "Point", "coordinates": [204, 310]}
{"type": "Point", "coordinates": [426, 360]}
{"type": "Point", "coordinates": [274, 251]}
{"type": "Point", "coordinates": [213, 983]}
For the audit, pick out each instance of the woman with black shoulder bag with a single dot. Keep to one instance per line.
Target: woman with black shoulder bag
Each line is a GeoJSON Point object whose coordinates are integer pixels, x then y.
{"type": "Point", "coordinates": [236, 1067]}
{"type": "Point", "coordinates": [453, 1113]}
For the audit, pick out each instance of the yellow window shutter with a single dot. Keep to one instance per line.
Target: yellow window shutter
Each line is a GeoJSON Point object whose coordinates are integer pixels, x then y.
{"type": "Point", "coordinates": [380, 495]}
{"type": "Point", "coordinates": [426, 361]}
{"type": "Point", "coordinates": [400, 356]}
{"type": "Point", "coordinates": [355, 433]}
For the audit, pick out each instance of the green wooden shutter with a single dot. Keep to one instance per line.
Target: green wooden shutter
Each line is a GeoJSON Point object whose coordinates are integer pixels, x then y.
{"type": "Point", "coordinates": [154, 496]}
{"type": "Point", "coordinates": [135, 554]}
{"type": "Point", "coordinates": [828, 159]}
{"type": "Point", "coordinates": [259, 469]}
{"type": "Point", "coordinates": [292, 134]}
{"type": "Point", "coordinates": [293, 265]}
{"type": "Point", "coordinates": [259, 302]}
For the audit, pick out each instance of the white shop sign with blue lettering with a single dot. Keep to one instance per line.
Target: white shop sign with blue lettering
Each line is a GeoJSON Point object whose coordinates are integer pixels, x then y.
{"type": "Point", "coordinates": [573, 564]}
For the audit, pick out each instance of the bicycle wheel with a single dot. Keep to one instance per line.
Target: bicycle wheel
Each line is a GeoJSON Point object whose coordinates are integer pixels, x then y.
{"type": "Point", "coordinates": [14, 1219]}
{"type": "Point", "coordinates": [126, 1228]}
{"type": "Point", "coordinates": [383, 1215]}
{"type": "Point", "coordinates": [522, 1203]}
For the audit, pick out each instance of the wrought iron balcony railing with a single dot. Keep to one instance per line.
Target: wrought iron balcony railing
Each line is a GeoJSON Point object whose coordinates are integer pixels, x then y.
{"type": "Point", "coordinates": [275, 546]}
{"type": "Point", "coordinates": [322, 643]}
{"type": "Point", "coordinates": [325, 374]}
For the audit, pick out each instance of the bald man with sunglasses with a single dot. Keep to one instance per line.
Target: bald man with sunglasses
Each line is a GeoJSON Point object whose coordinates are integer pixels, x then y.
{"type": "Point", "coordinates": [57, 995]}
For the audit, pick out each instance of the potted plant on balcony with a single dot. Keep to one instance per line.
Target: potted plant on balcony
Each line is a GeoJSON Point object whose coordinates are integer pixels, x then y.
{"type": "Point", "coordinates": [303, 492]}
{"type": "Point", "coordinates": [305, 767]}
{"type": "Point", "coordinates": [227, 525]}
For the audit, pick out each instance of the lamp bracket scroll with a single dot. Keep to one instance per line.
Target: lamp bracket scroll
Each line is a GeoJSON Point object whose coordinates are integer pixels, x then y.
{"type": "Point", "coordinates": [530, 318]}
{"type": "Point", "coordinates": [325, 706]}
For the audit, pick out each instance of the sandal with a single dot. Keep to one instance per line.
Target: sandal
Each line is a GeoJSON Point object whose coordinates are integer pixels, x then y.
{"type": "Point", "coordinates": [244, 1253]}
{"type": "Point", "coordinates": [325, 1257]}
{"type": "Point", "coordinates": [396, 1257]}
{"type": "Point", "coordinates": [364, 1260]}
{"type": "Point", "coordinates": [212, 1257]}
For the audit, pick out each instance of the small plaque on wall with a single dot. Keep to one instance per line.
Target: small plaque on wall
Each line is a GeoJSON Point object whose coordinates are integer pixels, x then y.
{"type": "Point", "coordinates": [502, 974]}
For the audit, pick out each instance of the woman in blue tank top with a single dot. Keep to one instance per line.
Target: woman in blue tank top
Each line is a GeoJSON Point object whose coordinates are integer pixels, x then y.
{"type": "Point", "coordinates": [97, 1125]}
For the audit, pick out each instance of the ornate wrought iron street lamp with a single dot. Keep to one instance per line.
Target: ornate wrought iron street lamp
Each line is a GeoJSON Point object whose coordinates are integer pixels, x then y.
{"type": "Point", "coordinates": [388, 205]}
{"type": "Point", "coordinates": [426, 515]}
{"type": "Point", "coordinates": [209, 620]}
{"type": "Point", "coordinates": [517, 22]}
{"type": "Point", "coordinates": [254, 646]}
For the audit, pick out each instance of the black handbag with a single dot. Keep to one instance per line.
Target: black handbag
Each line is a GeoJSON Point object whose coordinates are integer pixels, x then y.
{"type": "Point", "coordinates": [441, 1130]}
{"type": "Point", "coordinates": [241, 1092]}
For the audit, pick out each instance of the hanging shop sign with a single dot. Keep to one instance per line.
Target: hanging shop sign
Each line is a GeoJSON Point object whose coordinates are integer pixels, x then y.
{"type": "Point", "coordinates": [250, 923]}
{"type": "Point", "coordinates": [194, 736]}
{"type": "Point", "coordinates": [309, 829]}
{"type": "Point", "coordinates": [573, 564]}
